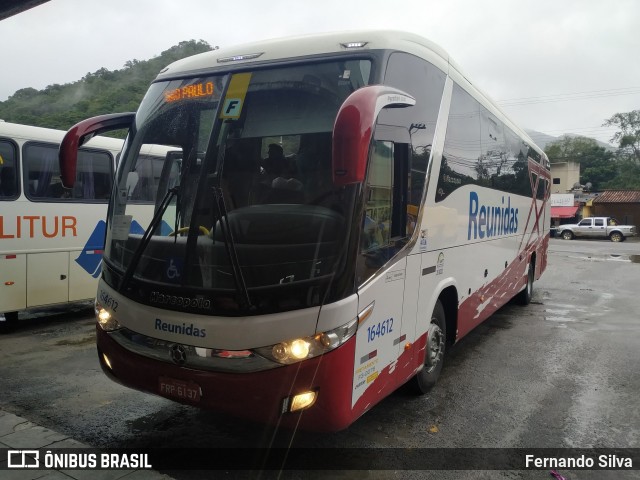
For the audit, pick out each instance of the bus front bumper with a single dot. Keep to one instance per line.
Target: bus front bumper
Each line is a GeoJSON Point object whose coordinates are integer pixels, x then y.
{"type": "Point", "coordinates": [263, 396]}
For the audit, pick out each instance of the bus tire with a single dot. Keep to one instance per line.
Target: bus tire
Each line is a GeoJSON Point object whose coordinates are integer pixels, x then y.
{"type": "Point", "coordinates": [9, 322]}
{"type": "Point", "coordinates": [434, 351]}
{"type": "Point", "coordinates": [524, 297]}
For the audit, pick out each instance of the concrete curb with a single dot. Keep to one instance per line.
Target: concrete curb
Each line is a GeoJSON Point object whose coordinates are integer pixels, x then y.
{"type": "Point", "coordinates": [19, 433]}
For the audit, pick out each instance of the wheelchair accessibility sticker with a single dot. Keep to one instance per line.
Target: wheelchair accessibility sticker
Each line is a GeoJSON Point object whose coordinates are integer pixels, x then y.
{"type": "Point", "coordinates": [174, 268]}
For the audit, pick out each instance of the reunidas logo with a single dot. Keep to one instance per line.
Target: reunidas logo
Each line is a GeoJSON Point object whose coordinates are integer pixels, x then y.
{"type": "Point", "coordinates": [491, 220]}
{"type": "Point", "coordinates": [183, 329]}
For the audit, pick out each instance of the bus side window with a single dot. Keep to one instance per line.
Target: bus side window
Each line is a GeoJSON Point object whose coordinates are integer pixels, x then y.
{"type": "Point", "coordinates": [8, 171]}
{"type": "Point", "coordinates": [379, 195]}
{"type": "Point", "coordinates": [387, 221]}
{"type": "Point", "coordinates": [143, 181]}
{"type": "Point", "coordinates": [42, 172]}
{"type": "Point", "coordinates": [94, 177]}
{"type": "Point", "coordinates": [462, 154]}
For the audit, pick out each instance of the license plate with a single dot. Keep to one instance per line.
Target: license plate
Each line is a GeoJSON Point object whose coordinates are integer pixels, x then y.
{"type": "Point", "coordinates": [180, 389]}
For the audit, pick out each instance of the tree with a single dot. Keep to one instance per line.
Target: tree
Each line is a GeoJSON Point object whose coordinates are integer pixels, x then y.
{"type": "Point", "coordinates": [627, 157]}
{"type": "Point", "coordinates": [628, 138]}
{"type": "Point", "coordinates": [103, 91]}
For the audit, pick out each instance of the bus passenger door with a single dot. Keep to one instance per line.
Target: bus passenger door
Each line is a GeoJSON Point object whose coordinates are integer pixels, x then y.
{"type": "Point", "coordinates": [382, 272]}
{"type": "Point", "coordinates": [13, 282]}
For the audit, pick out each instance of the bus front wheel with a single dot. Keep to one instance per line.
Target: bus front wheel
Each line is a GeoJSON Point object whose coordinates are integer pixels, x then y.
{"type": "Point", "coordinates": [426, 378]}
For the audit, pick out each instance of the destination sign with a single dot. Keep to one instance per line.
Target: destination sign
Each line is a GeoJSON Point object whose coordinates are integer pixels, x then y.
{"type": "Point", "coordinates": [189, 92]}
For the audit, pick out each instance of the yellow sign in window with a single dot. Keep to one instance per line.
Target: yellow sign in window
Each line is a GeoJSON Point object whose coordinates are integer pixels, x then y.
{"type": "Point", "coordinates": [236, 93]}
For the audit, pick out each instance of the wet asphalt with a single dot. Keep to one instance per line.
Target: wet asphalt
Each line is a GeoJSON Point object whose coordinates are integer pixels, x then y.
{"type": "Point", "coordinates": [561, 372]}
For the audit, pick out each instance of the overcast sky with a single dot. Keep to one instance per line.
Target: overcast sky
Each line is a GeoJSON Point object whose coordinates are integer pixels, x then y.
{"type": "Point", "coordinates": [558, 66]}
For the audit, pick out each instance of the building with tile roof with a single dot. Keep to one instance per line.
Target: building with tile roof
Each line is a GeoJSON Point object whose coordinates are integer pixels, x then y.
{"type": "Point", "coordinates": [624, 205]}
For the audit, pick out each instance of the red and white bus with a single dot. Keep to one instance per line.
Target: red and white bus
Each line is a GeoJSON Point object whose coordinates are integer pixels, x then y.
{"type": "Point", "coordinates": [342, 207]}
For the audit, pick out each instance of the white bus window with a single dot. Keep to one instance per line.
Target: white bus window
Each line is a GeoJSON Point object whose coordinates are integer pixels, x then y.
{"type": "Point", "coordinates": [389, 217]}
{"type": "Point", "coordinates": [517, 180]}
{"type": "Point", "coordinates": [150, 177]}
{"type": "Point", "coordinates": [8, 171]}
{"type": "Point", "coordinates": [42, 174]}
{"type": "Point", "coordinates": [425, 82]}
{"type": "Point", "coordinates": [462, 155]}
{"type": "Point", "coordinates": [376, 229]}
{"type": "Point", "coordinates": [142, 182]}
{"type": "Point", "coordinates": [94, 176]}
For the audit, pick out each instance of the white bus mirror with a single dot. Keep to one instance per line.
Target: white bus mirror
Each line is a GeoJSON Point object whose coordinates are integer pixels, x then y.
{"type": "Point", "coordinates": [353, 129]}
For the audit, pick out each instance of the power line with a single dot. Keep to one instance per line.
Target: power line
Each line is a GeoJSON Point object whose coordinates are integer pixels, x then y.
{"type": "Point", "coordinates": [563, 97]}
{"type": "Point", "coordinates": [583, 130]}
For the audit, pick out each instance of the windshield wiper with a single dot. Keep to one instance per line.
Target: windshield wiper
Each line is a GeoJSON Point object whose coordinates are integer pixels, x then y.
{"type": "Point", "coordinates": [146, 237]}
{"type": "Point", "coordinates": [230, 246]}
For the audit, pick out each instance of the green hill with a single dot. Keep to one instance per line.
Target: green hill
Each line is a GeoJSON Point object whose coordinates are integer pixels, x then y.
{"type": "Point", "coordinates": [104, 91]}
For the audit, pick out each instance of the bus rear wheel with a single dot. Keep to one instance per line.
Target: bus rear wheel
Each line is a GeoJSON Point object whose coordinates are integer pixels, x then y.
{"type": "Point", "coordinates": [426, 378]}
{"type": "Point", "coordinates": [524, 297]}
{"type": "Point", "coordinates": [8, 322]}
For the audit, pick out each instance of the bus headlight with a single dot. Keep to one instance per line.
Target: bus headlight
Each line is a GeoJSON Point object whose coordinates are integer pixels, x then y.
{"type": "Point", "coordinates": [106, 320]}
{"type": "Point", "coordinates": [298, 349]}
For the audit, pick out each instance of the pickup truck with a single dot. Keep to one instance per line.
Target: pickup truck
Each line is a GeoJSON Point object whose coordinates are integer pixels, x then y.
{"type": "Point", "coordinates": [597, 227]}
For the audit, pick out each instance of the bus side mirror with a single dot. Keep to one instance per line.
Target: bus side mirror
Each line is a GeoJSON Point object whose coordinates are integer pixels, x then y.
{"type": "Point", "coordinates": [353, 129]}
{"type": "Point", "coordinates": [81, 133]}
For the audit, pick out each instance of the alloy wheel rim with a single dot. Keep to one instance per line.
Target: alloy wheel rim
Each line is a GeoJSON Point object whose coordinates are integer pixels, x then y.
{"type": "Point", "coordinates": [435, 347]}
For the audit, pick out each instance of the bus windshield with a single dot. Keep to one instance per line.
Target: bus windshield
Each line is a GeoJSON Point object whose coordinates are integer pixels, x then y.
{"type": "Point", "coordinates": [242, 194]}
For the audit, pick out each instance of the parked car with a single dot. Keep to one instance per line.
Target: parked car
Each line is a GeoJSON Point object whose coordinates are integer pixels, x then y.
{"type": "Point", "coordinates": [597, 227]}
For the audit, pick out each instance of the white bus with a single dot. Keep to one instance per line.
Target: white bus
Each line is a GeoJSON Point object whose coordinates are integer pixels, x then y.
{"type": "Point", "coordinates": [52, 238]}
{"type": "Point", "coordinates": [344, 207]}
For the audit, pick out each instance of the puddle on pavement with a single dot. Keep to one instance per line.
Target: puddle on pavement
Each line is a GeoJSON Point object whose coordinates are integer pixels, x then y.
{"type": "Point", "coordinates": [563, 319]}
{"type": "Point", "coordinates": [566, 314]}
{"type": "Point", "coordinates": [612, 258]}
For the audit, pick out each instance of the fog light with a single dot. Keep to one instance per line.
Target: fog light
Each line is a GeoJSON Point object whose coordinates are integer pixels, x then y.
{"type": "Point", "coordinates": [107, 362]}
{"type": "Point", "coordinates": [302, 401]}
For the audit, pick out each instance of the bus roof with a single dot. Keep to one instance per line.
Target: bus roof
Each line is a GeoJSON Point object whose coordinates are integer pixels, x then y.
{"type": "Point", "coordinates": [336, 42]}
{"type": "Point", "coordinates": [17, 131]}
{"type": "Point", "coordinates": [309, 45]}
